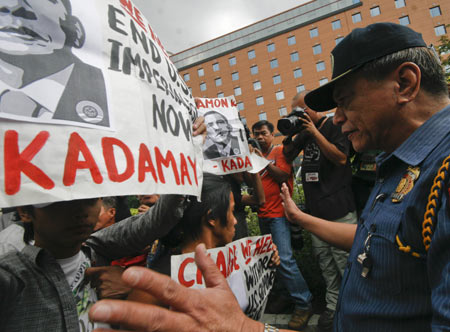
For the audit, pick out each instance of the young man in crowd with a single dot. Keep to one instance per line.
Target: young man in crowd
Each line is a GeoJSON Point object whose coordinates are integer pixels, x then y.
{"type": "Point", "coordinates": [390, 93]}
{"type": "Point", "coordinates": [272, 221]}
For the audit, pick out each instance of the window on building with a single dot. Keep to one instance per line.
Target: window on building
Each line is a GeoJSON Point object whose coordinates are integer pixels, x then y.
{"type": "Point", "coordinates": [291, 40]}
{"type": "Point", "coordinates": [240, 106]}
{"type": "Point", "coordinates": [232, 61]}
{"type": "Point", "coordinates": [279, 95]}
{"type": "Point", "coordinates": [375, 11]}
{"type": "Point", "coordinates": [262, 116]}
{"type": "Point", "coordinates": [200, 72]}
{"type": "Point", "coordinates": [243, 120]}
{"type": "Point", "coordinates": [260, 100]}
{"type": "Point", "coordinates": [356, 1]}
{"type": "Point", "coordinates": [282, 111]}
{"type": "Point", "coordinates": [317, 49]}
{"type": "Point", "coordinates": [356, 18]}
{"type": "Point", "coordinates": [202, 86]}
{"type": "Point", "coordinates": [323, 81]}
{"type": "Point", "coordinates": [254, 69]}
{"type": "Point", "coordinates": [400, 3]}
{"type": "Point", "coordinates": [435, 11]}
{"type": "Point", "coordinates": [257, 85]}
{"type": "Point", "coordinates": [276, 79]}
{"type": "Point", "coordinates": [218, 81]}
{"type": "Point", "coordinates": [300, 88]}
{"type": "Point", "coordinates": [274, 63]}
{"type": "Point", "coordinates": [320, 66]}
{"type": "Point", "coordinates": [215, 66]}
{"type": "Point", "coordinates": [220, 95]}
{"type": "Point", "coordinates": [298, 73]}
{"type": "Point", "coordinates": [336, 24]}
{"type": "Point", "coordinates": [251, 54]}
{"type": "Point", "coordinates": [314, 32]}
{"type": "Point", "coordinates": [294, 56]}
{"type": "Point", "coordinates": [270, 47]}
{"type": "Point", "coordinates": [404, 20]}
{"type": "Point", "coordinates": [186, 77]}
{"type": "Point", "coordinates": [237, 91]}
{"type": "Point", "coordinates": [440, 30]}
{"type": "Point", "coordinates": [338, 40]}
{"type": "Point", "coordinates": [235, 76]}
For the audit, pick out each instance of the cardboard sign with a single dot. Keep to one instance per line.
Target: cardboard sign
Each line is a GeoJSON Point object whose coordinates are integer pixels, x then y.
{"type": "Point", "coordinates": [244, 263]}
{"type": "Point", "coordinates": [226, 149]}
{"type": "Point", "coordinates": [90, 106]}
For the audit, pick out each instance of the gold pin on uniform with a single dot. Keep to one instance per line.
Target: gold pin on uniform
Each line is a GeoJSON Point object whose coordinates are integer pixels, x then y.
{"type": "Point", "coordinates": [406, 184]}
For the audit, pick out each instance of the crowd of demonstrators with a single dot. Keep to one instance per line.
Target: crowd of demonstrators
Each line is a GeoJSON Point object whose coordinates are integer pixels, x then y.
{"type": "Point", "coordinates": [209, 220]}
{"type": "Point", "coordinates": [390, 94]}
{"type": "Point", "coordinates": [273, 221]}
{"type": "Point", "coordinates": [326, 180]}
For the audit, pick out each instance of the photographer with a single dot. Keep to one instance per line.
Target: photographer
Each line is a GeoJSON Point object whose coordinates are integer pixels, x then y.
{"type": "Point", "coordinates": [326, 178]}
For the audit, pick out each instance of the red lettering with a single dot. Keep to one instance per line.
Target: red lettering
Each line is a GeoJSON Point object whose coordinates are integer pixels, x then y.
{"type": "Point", "coordinates": [160, 160]}
{"type": "Point", "coordinates": [246, 251]}
{"type": "Point", "coordinates": [76, 146]}
{"type": "Point", "coordinates": [108, 144]}
{"type": "Point", "coordinates": [194, 167]}
{"type": "Point", "coordinates": [240, 162]}
{"type": "Point", "coordinates": [233, 164]}
{"type": "Point", "coordinates": [184, 170]}
{"type": "Point", "coordinates": [221, 264]}
{"type": "Point", "coordinates": [233, 103]}
{"type": "Point", "coordinates": [209, 102]}
{"type": "Point", "coordinates": [199, 103]}
{"type": "Point", "coordinates": [181, 279]}
{"type": "Point", "coordinates": [224, 102]}
{"type": "Point", "coordinates": [145, 164]}
{"type": "Point", "coordinates": [133, 12]}
{"type": "Point", "coordinates": [225, 165]}
{"type": "Point", "coordinates": [127, 5]}
{"type": "Point", "coordinates": [248, 162]}
{"type": "Point", "coordinates": [236, 264]}
{"type": "Point", "coordinates": [17, 162]}
{"type": "Point", "coordinates": [258, 247]}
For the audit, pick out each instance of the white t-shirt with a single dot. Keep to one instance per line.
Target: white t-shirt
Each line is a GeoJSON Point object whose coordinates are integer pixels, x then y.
{"type": "Point", "coordinates": [85, 296]}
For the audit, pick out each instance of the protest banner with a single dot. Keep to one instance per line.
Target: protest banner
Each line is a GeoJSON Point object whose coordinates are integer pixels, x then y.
{"type": "Point", "coordinates": [90, 106]}
{"type": "Point", "coordinates": [226, 149]}
{"type": "Point", "coordinates": [245, 265]}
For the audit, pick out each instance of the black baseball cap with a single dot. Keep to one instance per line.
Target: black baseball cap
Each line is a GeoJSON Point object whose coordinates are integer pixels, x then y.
{"type": "Point", "coordinates": [362, 45]}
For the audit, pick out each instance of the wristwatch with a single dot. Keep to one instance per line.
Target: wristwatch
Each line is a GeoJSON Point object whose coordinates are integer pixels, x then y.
{"type": "Point", "coordinates": [270, 328]}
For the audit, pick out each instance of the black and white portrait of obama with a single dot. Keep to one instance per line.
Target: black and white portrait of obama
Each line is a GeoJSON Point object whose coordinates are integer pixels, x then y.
{"type": "Point", "coordinates": [40, 78]}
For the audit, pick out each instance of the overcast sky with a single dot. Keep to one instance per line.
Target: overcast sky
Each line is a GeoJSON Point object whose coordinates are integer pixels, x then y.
{"type": "Point", "coordinates": [181, 24]}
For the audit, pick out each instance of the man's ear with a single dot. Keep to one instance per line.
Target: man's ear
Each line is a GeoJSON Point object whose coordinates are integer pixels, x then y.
{"type": "Point", "coordinates": [74, 30]}
{"type": "Point", "coordinates": [25, 215]}
{"type": "Point", "coordinates": [211, 222]}
{"type": "Point", "coordinates": [408, 77]}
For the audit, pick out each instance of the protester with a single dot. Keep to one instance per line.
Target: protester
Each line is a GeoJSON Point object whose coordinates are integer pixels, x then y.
{"type": "Point", "coordinates": [326, 179]}
{"type": "Point", "coordinates": [390, 94]}
{"type": "Point", "coordinates": [146, 202]}
{"type": "Point", "coordinates": [107, 216]}
{"type": "Point", "coordinates": [209, 220]}
{"type": "Point", "coordinates": [272, 220]}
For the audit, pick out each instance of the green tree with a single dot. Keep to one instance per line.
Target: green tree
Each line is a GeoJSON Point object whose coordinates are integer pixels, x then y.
{"type": "Point", "coordinates": [444, 53]}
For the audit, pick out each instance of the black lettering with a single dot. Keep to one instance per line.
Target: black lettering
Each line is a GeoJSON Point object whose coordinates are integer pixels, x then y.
{"type": "Point", "coordinates": [160, 112]}
{"type": "Point", "coordinates": [186, 126]}
{"type": "Point", "coordinates": [113, 21]}
{"type": "Point", "coordinates": [128, 59]}
{"type": "Point", "coordinates": [156, 77]}
{"type": "Point", "coordinates": [174, 124]}
{"type": "Point", "coordinates": [115, 58]}
{"type": "Point", "coordinates": [141, 35]}
{"type": "Point", "coordinates": [156, 57]}
{"type": "Point", "coordinates": [172, 71]}
{"type": "Point", "coordinates": [148, 71]}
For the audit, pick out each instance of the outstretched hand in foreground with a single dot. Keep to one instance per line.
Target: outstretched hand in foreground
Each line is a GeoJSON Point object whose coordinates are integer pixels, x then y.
{"type": "Point", "coordinates": [211, 309]}
{"type": "Point", "coordinates": [292, 212]}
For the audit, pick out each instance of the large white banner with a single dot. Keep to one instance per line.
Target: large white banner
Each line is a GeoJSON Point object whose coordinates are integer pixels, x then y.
{"type": "Point", "coordinates": [226, 149]}
{"type": "Point", "coordinates": [90, 105]}
{"type": "Point", "coordinates": [245, 265]}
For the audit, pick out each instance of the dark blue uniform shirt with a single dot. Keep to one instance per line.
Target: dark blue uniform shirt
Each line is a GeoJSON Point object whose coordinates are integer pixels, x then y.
{"type": "Point", "coordinates": [402, 292]}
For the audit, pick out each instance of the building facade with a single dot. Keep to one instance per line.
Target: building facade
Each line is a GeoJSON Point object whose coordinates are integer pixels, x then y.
{"type": "Point", "coordinates": [265, 64]}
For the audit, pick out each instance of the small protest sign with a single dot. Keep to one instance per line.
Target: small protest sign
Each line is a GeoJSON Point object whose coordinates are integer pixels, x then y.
{"type": "Point", "coordinates": [245, 265]}
{"type": "Point", "coordinates": [91, 105]}
{"type": "Point", "coordinates": [226, 149]}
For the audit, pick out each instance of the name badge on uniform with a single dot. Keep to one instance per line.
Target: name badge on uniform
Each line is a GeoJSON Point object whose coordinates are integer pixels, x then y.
{"type": "Point", "coordinates": [312, 177]}
{"type": "Point", "coordinates": [406, 184]}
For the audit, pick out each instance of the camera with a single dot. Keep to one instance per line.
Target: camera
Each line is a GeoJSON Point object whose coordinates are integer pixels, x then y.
{"type": "Point", "coordinates": [291, 124]}
{"type": "Point", "coordinates": [253, 142]}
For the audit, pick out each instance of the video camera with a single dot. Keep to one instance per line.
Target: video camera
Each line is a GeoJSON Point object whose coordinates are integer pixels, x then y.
{"type": "Point", "coordinates": [291, 124]}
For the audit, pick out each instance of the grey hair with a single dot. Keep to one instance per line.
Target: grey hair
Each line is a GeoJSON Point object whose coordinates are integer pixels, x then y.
{"type": "Point", "coordinates": [432, 78]}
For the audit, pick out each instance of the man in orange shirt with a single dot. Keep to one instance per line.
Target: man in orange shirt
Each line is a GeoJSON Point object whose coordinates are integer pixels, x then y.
{"type": "Point", "coordinates": [272, 220]}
